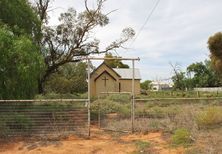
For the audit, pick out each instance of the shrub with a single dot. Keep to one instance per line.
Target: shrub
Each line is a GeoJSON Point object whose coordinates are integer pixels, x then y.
{"type": "Point", "coordinates": [105, 106]}
{"type": "Point", "coordinates": [20, 122]}
{"type": "Point", "coordinates": [121, 98]}
{"type": "Point", "coordinates": [210, 117]}
{"type": "Point", "coordinates": [157, 112]}
{"type": "Point", "coordinates": [142, 145]}
{"type": "Point", "coordinates": [182, 137]}
{"type": "Point", "coordinates": [3, 127]}
{"type": "Point", "coordinates": [124, 111]}
{"type": "Point", "coordinates": [15, 123]}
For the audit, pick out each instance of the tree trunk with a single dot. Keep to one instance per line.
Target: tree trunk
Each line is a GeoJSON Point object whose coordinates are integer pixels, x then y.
{"type": "Point", "coordinates": [43, 79]}
{"type": "Point", "coordinates": [48, 72]}
{"type": "Point", "coordinates": [41, 86]}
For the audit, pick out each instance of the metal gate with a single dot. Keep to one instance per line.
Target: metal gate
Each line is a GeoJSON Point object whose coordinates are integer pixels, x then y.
{"type": "Point", "coordinates": [113, 111]}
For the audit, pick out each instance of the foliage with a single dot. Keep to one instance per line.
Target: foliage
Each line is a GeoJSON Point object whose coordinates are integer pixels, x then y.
{"type": "Point", "coordinates": [105, 106]}
{"type": "Point", "coordinates": [212, 116]}
{"type": "Point", "coordinates": [146, 85]}
{"type": "Point", "coordinates": [215, 47]}
{"type": "Point", "coordinates": [181, 137]}
{"type": "Point", "coordinates": [114, 63]}
{"type": "Point", "coordinates": [120, 98]}
{"type": "Point", "coordinates": [21, 62]}
{"type": "Point", "coordinates": [70, 78]}
{"type": "Point", "coordinates": [142, 145]}
{"type": "Point", "coordinates": [197, 75]}
{"type": "Point", "coordinates": [20, 17]}
{"type": "Point", "coordinates": [179, 81]}
{"type": "Point", "coordinates": [203, 75]}
{"type": "Point", "coordinates": [14, 123]}
{"type": "Point", "coordinates": [20, 66]}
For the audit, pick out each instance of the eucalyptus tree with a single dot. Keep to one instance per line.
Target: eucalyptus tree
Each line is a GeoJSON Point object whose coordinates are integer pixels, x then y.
{"type": "Point", "coordinates": [72, 39]}
{"type": "Point", "coordinates": [114, 63]}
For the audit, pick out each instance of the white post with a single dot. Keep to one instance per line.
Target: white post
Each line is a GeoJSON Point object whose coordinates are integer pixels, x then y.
{"type": "Point", "coordinates": [133, 97]}
{"type": "Point", "coordinates": [88, 105]}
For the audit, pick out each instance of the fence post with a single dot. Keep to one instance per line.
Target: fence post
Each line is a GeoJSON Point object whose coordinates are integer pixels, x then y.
{"type": "Point", "coordinates": [99, 115]}
{"type": "Point", "coordinates": [133, 98]}
{"type": "Point", "coordinates": [88, 71]}
{"type": "Point", "coordinates": [198, 94]}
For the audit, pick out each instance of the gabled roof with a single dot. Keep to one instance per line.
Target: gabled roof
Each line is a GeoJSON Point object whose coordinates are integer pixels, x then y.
{"type": "Point", "coordinates": [123, 73]}
{"type": "Point", "coordinates": [127, 73]}
{"type": "Point", "coordinates": [107, 66]}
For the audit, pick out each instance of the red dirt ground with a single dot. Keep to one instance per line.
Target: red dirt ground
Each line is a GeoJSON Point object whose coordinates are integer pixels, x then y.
{"type": "Point", "coordinates": [100, 143]}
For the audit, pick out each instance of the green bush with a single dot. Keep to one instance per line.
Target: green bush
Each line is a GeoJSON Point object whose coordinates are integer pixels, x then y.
{"type": "Point", "coordinates": [105, 106]}
{"type": "Point", "coordinates": [108, 106]}
{"type": "Point", "coordinates": [181, 137]}
{"type": "Point", "coordinates": [210, 117]}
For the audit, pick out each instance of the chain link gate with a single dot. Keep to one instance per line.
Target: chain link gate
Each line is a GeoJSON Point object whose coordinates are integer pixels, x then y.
{"type": "Point", "coordinates": [113, 111]}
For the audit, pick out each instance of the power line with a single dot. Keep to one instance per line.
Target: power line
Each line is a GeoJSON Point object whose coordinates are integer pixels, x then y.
{"type": "Point", "coordinates": [146, 21]}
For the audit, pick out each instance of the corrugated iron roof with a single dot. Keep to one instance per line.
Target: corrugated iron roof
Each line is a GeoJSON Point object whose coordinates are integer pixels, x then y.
{"type": "Point", "coordinates": [127, 73]}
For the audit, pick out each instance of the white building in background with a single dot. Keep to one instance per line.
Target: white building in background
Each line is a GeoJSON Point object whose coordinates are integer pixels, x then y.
{"type": "Point", "coordinates": [161, 85]}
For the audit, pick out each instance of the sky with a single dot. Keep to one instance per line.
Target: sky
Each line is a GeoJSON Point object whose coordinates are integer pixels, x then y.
{"type": "Point", "coordinates": [177, 31]}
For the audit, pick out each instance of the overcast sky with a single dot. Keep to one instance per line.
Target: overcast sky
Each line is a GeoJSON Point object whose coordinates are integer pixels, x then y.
{"type": "Point", "coordinates": [177, 31]}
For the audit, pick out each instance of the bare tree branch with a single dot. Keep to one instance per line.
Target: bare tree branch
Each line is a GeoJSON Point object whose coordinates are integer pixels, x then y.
{"type": "Point", "coordinates": [42, 7]}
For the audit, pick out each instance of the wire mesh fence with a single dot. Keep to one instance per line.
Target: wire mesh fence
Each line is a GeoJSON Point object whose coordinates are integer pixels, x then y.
{"type": "Point", "coordinates": [114, 112]}
{"type": "Point", "coordinates": [43, 118]}
{"type": "Point", "coordinates": [155, 114]}
{"type": "Point", "coordinates": [61, 118]}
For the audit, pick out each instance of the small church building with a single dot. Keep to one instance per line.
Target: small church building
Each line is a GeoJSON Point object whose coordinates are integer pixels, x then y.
{"type": "Point", "coordinates": [106, 79]}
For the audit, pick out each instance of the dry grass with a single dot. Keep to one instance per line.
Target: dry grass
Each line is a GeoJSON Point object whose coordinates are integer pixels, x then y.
{"type": "Point", "coordinates": [171, 115]}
